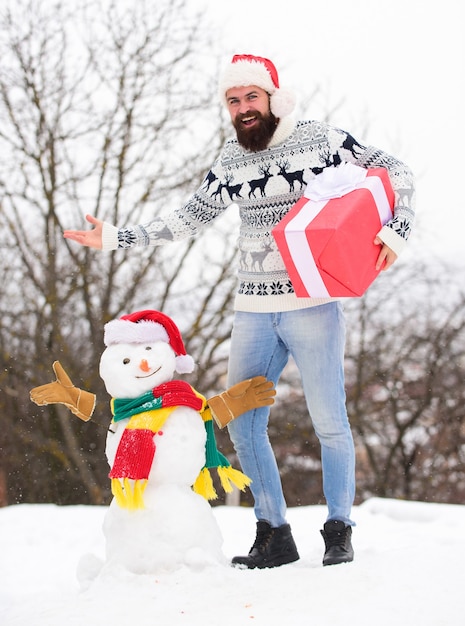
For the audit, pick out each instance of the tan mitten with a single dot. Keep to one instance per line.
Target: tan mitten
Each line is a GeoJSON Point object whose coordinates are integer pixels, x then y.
{"type": "Point", "coordinates": [62, 391]}
{"type": "Point", "coordinates": [249, 394]}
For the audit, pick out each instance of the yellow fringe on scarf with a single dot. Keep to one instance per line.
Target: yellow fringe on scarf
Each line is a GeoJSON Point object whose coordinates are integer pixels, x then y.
{"type": "Point", "coordinates": [127, 495]}
{"type": "Point", "coordinates": [230, 475]}
{"type": "Point", "coordinates": [204, 485]}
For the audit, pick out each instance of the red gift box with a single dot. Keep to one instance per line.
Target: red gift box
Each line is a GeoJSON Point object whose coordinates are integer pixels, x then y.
{"type": "Point", "coordinates": [326, 239]}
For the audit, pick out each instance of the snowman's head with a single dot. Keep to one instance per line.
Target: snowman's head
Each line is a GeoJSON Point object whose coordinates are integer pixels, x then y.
{"type": "Point", "coordinates": [144, 349]}
{"type": "Point", "coordinates": [129, 370]}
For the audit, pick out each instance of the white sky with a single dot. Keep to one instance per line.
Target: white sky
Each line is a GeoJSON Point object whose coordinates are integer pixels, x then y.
{"type": "Point", "coordinates": [398, 66]}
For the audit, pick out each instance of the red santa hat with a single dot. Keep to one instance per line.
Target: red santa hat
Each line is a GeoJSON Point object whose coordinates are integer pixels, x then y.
{"type": "Point", "coordinates": [148, 327]}
{"type": "Point", "coordinates": [247, 69]}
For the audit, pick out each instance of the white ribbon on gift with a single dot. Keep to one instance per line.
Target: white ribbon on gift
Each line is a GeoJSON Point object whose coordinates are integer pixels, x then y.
{"type": "Point", "coordinates": [333, 182]}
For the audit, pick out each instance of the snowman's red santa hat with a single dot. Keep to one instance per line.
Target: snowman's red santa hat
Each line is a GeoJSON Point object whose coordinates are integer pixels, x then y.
{"type": "Point", "coordinates": [148, 327]}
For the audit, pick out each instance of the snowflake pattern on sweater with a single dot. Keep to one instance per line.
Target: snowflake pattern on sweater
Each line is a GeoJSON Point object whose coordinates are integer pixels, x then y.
{"type": "Point", "coordinates": [265, 185]}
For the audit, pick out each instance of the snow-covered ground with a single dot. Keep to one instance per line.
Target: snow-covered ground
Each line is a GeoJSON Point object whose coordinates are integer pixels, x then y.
{"type": "Point", "coordinates": [408, 570]}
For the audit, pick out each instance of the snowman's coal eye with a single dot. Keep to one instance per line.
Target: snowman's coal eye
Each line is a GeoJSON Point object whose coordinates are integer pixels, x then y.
{"type": "Point", "coordinates": [148, 348]}
{"type": "Point", "coordinates": [126, 361]}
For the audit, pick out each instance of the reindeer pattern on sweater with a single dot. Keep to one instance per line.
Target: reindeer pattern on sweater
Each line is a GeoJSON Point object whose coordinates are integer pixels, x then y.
{"type": "Point", "coordinates": [265, 185]}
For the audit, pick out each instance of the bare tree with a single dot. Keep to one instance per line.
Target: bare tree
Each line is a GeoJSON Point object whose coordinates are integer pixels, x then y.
{"type": "Point", "coordinates": [405, 366]}
{"type": "Point", "coordinates": [101, 111]}
{"type": "Point", "coordinates": [406, 362]}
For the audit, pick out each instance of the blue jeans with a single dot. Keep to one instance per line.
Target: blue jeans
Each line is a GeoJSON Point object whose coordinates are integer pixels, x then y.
{"type": "Point", "coordinates": [260, 345]}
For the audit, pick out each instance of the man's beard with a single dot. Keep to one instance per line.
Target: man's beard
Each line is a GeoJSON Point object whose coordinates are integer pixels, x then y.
{"type": "Point", "coordinates": [258, 137]}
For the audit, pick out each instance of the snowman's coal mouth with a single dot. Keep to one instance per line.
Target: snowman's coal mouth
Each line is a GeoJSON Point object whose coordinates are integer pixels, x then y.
{"type": "Point", "coordinates": [148, 375]}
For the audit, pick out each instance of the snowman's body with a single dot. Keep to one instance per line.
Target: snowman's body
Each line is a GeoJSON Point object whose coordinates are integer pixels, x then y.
{"type": "Point", "coordinates": [176, 525]}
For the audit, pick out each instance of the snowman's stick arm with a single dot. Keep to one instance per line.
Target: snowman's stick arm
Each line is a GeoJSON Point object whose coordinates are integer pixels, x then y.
{"type": "Point", "coordinates": [249, 394]}
{"type": "Point", "coordinates": [62, 391]}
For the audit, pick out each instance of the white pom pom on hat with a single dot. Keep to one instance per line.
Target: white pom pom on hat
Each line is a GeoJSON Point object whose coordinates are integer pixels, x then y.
{"type": "Point", "coordinates": [148, 327]}
{"type": "Point", "coordinates": [247, 69]}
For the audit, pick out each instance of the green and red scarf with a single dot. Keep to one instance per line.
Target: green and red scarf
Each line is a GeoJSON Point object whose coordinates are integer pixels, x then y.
{"type": "Point", "coordinates": [134, 457]}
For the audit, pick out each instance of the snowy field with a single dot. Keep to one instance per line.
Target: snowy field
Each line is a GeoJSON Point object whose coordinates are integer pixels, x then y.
{"type": "Point", "coordinates": [408, 571]}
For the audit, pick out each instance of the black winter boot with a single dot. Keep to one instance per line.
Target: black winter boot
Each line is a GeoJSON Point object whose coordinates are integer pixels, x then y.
{"type": "Point", "coordinates": [272, 547]}
{"type": "Point", "coordinates": [338, 543]}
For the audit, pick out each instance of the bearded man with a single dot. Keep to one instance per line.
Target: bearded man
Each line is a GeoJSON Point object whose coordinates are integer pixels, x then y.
{"type": "Point", "coordinates": [270, 153]}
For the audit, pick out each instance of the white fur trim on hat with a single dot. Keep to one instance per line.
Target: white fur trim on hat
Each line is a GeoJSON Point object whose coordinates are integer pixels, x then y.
{"type": "Point", "coordinates": [242, 72]}
{"type": "Point", "coordinates": [125, 331]}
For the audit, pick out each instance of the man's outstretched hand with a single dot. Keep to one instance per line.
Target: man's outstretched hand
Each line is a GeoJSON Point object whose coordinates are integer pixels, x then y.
{"type": "Point", "coordinates": [90, 238]}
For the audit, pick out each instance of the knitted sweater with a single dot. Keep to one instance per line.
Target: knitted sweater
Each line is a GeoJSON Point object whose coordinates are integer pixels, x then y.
{"type": "Point", "coordinates": [265, 185]}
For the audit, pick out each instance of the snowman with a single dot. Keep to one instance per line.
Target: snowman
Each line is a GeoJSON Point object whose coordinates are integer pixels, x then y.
{"type": "Point", "coordinates": [160, 446]}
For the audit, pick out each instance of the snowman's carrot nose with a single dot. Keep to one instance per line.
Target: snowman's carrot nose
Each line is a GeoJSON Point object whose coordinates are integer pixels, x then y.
{"type": "Point", "coordinates": [144, 366]}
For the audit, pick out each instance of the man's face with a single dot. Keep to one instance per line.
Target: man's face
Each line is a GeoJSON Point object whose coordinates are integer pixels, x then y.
{"type": "Point", "coordinates": [249, 108]}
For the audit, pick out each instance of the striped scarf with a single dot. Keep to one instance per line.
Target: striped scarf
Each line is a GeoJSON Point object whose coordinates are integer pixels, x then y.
{"type": "Point", "coordinates": [136, 450]}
